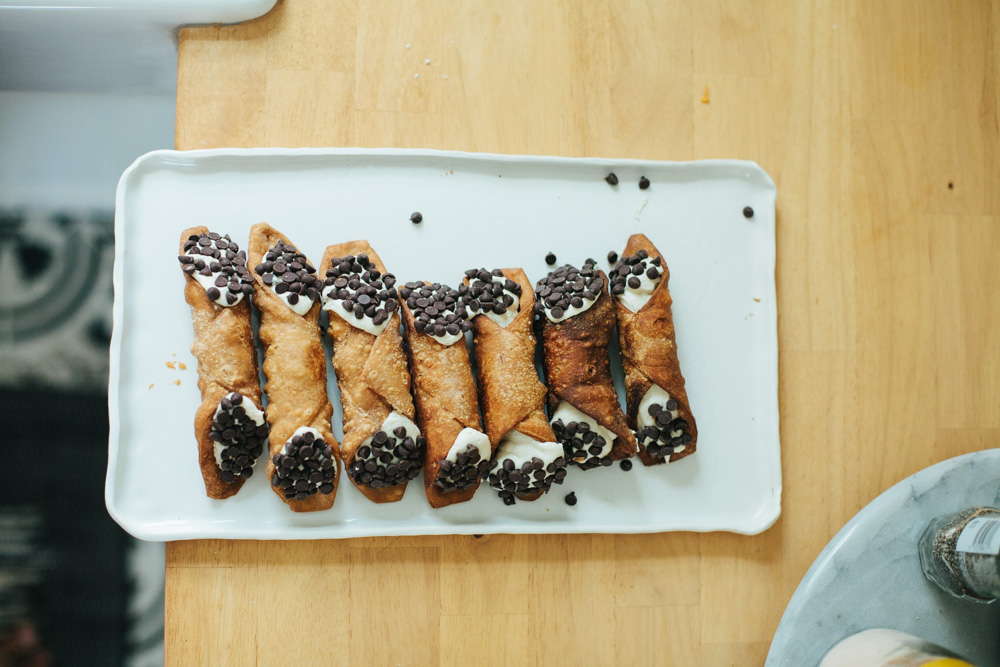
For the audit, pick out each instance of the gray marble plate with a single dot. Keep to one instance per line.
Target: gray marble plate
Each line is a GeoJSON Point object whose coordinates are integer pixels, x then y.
{"type": "Point", "coordinates": [869, 575]}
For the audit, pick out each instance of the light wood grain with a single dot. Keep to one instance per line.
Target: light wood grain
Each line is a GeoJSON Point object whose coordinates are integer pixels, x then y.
{"type": "Point", "coordinates": [878, 122]}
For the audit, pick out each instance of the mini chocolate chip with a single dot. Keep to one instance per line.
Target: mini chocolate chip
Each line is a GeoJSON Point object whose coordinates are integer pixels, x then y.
{"type": "Point", "coordinates": [643, 183]}
{"type": "Point", "coordinates": [626, 465]}
{"type": "Point", "coordinates": [550, 259]}
{"type": "Point", "coordinates": [748, 212]}
{"type": "Point", "coordinates": [416, 218]}
{"type": "Point", "coordinates": [612, 257]}
{"type": "Point", "coordinates": [571, 498]}
{"type": "Point", "coordinates": [611, 178]}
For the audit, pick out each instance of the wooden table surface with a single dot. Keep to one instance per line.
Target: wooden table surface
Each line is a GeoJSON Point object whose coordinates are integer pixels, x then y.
{"type": "Point", "coordinates": [878, 122]}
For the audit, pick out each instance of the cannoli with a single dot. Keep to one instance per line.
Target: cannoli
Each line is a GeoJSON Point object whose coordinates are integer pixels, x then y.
{"type": "Point", "coordinates": [527, 459]}
{"type": "Point", "coordinates": [304, 463]}
{"type": "Point", "coordinates": [382, 447]}
{"type": "Point", "coordinates": [457, 454]}
{"type": "Point", "coordinates": [657, 404]}
{"type": "Point", "coordinates": [229, 425]}
{"type": "Point", "coordinates": [577, 319]}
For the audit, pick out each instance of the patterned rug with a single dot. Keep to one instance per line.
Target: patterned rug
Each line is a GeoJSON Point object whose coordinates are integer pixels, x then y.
{"type": "Point", "coordinates": [74, 588]}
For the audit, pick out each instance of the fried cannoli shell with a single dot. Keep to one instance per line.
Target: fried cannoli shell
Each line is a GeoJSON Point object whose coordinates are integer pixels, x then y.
{"type": "Point", "coordinates": [227, 362]}
{"type": "Point", "coordinates": [578, 370]}
{"type": "Point", "coordinates": [371, 373]}
{"type": "Point", "coordinates": [511, 395]}
{"type": "Point", "coordinates": [505, 356]}
{"type": "Point", "coordinates": [446, 402]}
{"type": "Point", "coordinates": [294, 367]}
{"type": "Point", "coordinates": [649, 352]}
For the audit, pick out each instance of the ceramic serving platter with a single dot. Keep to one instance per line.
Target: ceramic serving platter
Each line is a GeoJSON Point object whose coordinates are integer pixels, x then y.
{"type": "Point", "coordinates": [478, 210]}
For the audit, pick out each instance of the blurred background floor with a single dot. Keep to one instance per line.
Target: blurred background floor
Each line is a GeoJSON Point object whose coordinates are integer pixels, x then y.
{"type": "Point", "coordinates": [74, 588]}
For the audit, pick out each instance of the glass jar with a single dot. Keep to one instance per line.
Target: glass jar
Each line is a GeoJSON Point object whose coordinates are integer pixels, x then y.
{"type": "Point", "coordinates": [960, 552]}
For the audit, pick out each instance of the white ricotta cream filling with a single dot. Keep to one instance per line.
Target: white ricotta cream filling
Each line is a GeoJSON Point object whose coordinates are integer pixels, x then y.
{"type": "Point", "coordinates": [656, 395]}
{"type": "Point", "coordinates": [448, 339]}
{"type": "Point", "coordinates": [521, 448]}
{"type": "Point", "coordinates": [508, 316]}
{"type": "Point", "coordinates": [301, 307]}
{"type": "Point", "coordinates": [469, 436]}
{"type": "Point", "coordinates": [391, 423]}
{"type": "Point", "coordinates": [209, 281]}
{"type": "Point", "coordinates": [636, 298]}
{"type": "Point", "coordinates": [567, 413]}
{"type": "Point", "coordinates": [302, 430]}
{"type": "Point", "coordinates": [571, 311]}
{"type": "Point", "coordinates": [253, 413]}
{"type": "Point", "coordinates": [364, 322]}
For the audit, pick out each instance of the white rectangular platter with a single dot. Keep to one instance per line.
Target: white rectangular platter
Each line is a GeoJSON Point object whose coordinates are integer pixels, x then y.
{"type": "Point", "coordinates": [478, 210]}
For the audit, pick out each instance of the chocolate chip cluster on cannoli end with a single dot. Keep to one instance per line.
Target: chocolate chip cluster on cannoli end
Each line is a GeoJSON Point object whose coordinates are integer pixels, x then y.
{"type": "Point", "coordinates": [304, 466]}
{"type": "Point", "coordinates": [661, 431]}
{"type": "Point", "coordinates": [389, 457]}
{"type": "Point", "coordinates": [490, 293]}
{"type": "Point", "coordinates": [634, 278]}
{"type": "Point", "coordinates": [219, 266]}
{"type": "Point", "coordinates": [462, 469]}
{"type": "Point", "coordinates": [356, 291]}
{"type": "Point", "coordinates": [584, 440]}
{"type": "Point", "coordinates": [567, 291]}
{"type": "Point", "coordinates": [287, 271]}
{"type": "Point", "coordinates": [240, 435]}
{"type": "Point", "coordinates": [526, 468]}
{"type": "Point", "coordinates": [437, 309]}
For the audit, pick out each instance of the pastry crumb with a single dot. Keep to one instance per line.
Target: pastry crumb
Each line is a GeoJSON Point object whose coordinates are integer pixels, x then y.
{"type": "Point", "coordinates": [181, 365]}
{"type": "Point", "coordinates": [172, 364]}
{"type": "Point", "coordinates": [704, 96]}
{"type": "Point", "coordinates": [150, 386]}
{"type": "Point", "coordinates": [637, 211]}
{"type": "Point", "coordinates": [756, 299]}
{"type": "Point", "coordinates": [175, 382]}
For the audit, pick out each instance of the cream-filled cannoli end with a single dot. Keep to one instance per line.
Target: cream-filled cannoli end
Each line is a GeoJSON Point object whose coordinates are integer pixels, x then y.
{"type": "Point", "coordinates": [467, 461]}
{"type": "Point", "coordinates": [583, 439]}
{"type": "Point", "coordinates": [525, 468]}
